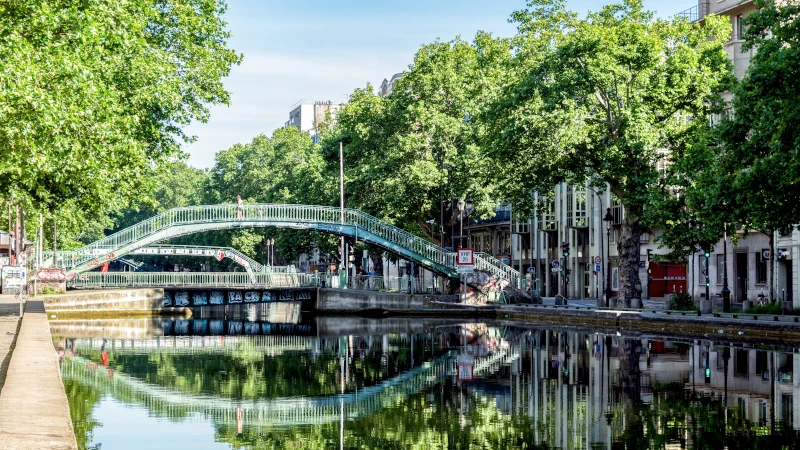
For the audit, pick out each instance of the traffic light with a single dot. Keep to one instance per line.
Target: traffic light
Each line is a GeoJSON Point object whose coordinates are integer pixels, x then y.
{"type": "Point", "coordinates": [565, 248]}
{"type": "Point", "coordinates": [708, 375]}
{"type": "Point", "coordinates": [707, 255]}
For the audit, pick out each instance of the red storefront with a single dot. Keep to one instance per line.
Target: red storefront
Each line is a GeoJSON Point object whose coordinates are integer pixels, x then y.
{"type": "Point", "coordinates": [667, 278]}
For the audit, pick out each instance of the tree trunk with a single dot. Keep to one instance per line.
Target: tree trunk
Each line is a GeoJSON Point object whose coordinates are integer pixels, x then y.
{"type": "Point", "coordinates": [376, 254]}
{"type": "Point", "coordinates": [628, 249]}
{"type": "Point", "coordinates": [429, 232]}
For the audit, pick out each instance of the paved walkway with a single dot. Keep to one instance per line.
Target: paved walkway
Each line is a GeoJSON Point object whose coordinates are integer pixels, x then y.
{"type": "Point", "coordinates": [33, 406]}
{"type": "Point", "coordinates": [654, 303]}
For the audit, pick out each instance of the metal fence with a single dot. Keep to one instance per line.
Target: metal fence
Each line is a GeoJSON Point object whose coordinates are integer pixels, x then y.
{"type": "Point", "coordinates": [100, 280]}
{"type": "Point", "coordinates": [324, 218]}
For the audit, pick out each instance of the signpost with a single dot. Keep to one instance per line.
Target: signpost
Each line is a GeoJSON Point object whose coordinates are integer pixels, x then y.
{"type": "Point", "coordinates": [466, 366]}
{"type": "Point", "coordinates": [465, 263]}
{"type": "Point", "coordinates": [598, 260]}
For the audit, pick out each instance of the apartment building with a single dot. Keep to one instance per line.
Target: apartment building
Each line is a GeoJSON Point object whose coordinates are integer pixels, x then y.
{"type": "Point", "coordinates": [307, 116]}
{"type": "Point", "coordinates": [748, 259]}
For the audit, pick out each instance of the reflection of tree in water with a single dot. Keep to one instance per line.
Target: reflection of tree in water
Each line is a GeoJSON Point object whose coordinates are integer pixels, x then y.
{"type": "Point", "coordinates": [82, 401]}
{"type": "Point", "coordinates": [434, 419]}
{"type": "Point", "coordinates": [679, 415]}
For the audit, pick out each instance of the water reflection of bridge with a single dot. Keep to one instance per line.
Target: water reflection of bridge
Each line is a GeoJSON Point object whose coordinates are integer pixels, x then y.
{"type": "Point", "coordinates": [278, 412]}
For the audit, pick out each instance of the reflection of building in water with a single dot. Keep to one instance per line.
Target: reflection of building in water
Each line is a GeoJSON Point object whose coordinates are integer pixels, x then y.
{"type": "Point", "coordinates": [582, 389]}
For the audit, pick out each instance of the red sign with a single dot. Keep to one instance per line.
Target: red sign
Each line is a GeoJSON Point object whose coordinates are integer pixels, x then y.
{"type": "Point", "coordinates": [466, 257]}
{"type": "Point", "coordinates": [52, 274]}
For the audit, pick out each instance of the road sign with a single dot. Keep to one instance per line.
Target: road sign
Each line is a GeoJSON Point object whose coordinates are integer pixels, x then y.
{"type": "Point", "coordinates": [466, 366]}
{"type": "Point", "coordinates": [466, 257]}
{"type": "Point", "coordinates": [765, 254]}
{"type": "Point", "coordinates": [555, 270]}
{"type": "Point", "coordinates": [598, 260]}
{"type": "Point", "coordinates": [465, 269]}
{"type": "Point", "coordinates": [531, 270]}
{"type": "Point", "coordinates": [556, 263]}
{"type": "Point", "coordinates": [597, 267]}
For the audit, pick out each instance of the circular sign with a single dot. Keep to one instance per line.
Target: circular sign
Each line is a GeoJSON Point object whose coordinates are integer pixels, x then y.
{"type": "Point", "coordinates": [765, 254]}
{"type": "Point", "coordinates": [531, 270]}
{"type": "Point", "coordinates": [556, 263]}
{"type": "Point", "coordinates": [598, 260]}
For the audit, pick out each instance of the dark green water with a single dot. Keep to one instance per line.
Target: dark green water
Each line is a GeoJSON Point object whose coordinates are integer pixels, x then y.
{"type": "Point", "coordinates": [396, 384]}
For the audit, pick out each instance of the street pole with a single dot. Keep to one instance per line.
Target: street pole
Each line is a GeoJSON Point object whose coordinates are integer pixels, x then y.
{"type": "Point", "coordinates": [608, 263]}
{"type": "Point", "coordinates": [708, 296]}
{"type": "Point", "coordinates": [726, 293]}
{"type": "Point", "coordinates": [55, 228]}
{"type": "Point", "coordinates": [341, 205]}
{"type": "Point", "coordinates": [602, 266]}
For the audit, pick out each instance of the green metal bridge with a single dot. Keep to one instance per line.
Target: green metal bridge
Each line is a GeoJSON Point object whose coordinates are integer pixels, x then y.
{"type": "Point", "coordinates": [355, 224]}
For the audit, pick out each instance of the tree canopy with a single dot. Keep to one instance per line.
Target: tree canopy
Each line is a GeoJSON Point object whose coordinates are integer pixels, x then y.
{"type": "Point", "coordinates": [94, 96]}
{"type": "Point", "coordinates": [606, 96]}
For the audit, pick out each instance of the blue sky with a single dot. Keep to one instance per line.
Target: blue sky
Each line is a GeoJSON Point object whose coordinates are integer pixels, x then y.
{"type": "Point", "coordinates": [323, 49]}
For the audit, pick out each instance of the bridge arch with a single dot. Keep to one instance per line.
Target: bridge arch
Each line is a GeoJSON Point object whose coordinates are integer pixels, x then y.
{"type": "Point", "coordinates": [349, 222]}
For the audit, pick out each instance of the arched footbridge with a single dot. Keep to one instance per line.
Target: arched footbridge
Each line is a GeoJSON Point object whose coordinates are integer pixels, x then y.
{"type": "Point", "coordinates": [354, 224]}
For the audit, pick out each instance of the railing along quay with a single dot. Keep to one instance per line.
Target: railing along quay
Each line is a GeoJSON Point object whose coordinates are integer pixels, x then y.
{"type": "Point", "coordinates": [100, 280]}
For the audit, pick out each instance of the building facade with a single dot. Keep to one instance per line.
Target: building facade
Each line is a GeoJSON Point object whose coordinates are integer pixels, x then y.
{"type": "Point", "coordinates": [748, 258]}
{"type": "Point", "coordinates": [307, 116]}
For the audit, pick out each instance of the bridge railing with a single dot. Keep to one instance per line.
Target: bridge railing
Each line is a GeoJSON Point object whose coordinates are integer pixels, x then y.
{"type": "Point", "coordinates": [100, 280]}
{"type": "Point", "coordinates": [296, 216]}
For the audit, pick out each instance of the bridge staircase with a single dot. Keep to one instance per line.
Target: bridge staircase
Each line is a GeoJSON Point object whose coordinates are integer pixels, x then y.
{"type": "Point", "coordinates": [356, 224]}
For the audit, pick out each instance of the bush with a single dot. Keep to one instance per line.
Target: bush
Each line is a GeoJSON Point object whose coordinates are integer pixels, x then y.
{"type": "Point", "coordinates": [682, 301]}
{"type": "Point", "coordinates": [769, 308]}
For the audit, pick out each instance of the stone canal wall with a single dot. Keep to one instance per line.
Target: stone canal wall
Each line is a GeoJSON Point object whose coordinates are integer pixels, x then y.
{"type": "Point", "coordinates": [112, 302]}
{"type": "Point", "coordinates": [350, 301]}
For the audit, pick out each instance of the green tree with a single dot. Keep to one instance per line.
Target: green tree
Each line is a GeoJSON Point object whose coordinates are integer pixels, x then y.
{"type": "Point", "coordinates": [94, 96]}
{"type": "Point", "coordinates": [603, 97]}
{"type": "Point", "coordinates": [406, 152]}
{"type": "Point", "coordinates": [760, 157]}
{"type": "Point", "coordinates": [284, 168]}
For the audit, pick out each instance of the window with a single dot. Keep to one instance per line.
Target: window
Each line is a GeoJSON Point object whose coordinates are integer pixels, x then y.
{"type": "Point", "coordinates": [701, 271]}
{"type": "Point", "coordinates": [720, 268]}
{"type": "Point", "coordinates": [761, 268]}
{"type": "Point", "coordinates": [738, 31]}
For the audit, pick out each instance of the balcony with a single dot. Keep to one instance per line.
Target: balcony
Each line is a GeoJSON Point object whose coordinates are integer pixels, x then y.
{"type": "Point", "coordinates": [695, 13]}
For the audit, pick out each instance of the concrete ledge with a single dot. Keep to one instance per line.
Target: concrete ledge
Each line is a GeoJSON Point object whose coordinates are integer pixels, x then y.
{"type": "Point", "coordinates": [117, 303]}
{"type": "Point", "coordinates": [345, 300]}
{"type": "Point", "coordinates": [34, 412]}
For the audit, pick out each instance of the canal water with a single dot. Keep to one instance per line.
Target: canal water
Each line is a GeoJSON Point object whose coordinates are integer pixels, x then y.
{"type": "Point", "coordinates": [262, 376]}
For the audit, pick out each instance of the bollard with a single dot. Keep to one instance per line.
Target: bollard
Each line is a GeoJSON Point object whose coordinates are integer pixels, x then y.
{"type": "Point", "coordinates": [705, 306]}
{"type": "Point", "coordinates": [746, 305]}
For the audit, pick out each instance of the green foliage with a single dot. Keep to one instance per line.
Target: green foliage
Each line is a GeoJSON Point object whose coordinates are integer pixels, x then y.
{"type": "Point", "coordinates": [602, 97]}
{"type": "Point", "coordinates": [682, 301]}
{"type": "Point", "coordinates": [95, 95]}
{"type": "Point", "coordinates": [760, 160]}
{"type": "Point", "coordinates": [769, 308]}
{"type": "Point", "coordinates": [406, 152]}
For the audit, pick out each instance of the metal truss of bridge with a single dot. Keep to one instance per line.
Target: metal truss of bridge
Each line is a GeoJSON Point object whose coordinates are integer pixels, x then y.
{"type": "Point", "coordinates": [281, 412]}
{"type": "Point", "coordinates": [355, 224]}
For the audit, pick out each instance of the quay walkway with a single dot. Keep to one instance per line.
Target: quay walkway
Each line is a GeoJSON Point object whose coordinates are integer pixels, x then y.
{"type": "Point", "coordinates": [34, 412]}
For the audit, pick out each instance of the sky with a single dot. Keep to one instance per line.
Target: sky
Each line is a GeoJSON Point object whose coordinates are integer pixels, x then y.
{"type": "Point", "coordinates": [319, 50]}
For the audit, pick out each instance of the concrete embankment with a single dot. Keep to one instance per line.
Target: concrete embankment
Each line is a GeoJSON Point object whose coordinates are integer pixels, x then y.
{"type": "Point", "coordinates": [773, 329]}
{"type": "Point", "coordinates": [34, 413]}
{"type": "Point", "coordinates": [116, 303]}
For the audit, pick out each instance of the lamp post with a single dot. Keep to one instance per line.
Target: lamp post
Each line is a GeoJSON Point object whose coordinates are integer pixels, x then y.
{"type": "Point", "coordinates": [609, 218]}
{"type": "Point", "coordinates": [726, 293]}
{"type": "Point", "coordinates": [602, 266]}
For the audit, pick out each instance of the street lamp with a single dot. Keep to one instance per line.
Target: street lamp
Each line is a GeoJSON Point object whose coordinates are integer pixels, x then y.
{"type": "Point", "coordinates": [609, 218]}
{"type": "Point", "coordinates": [270, 249]}
{"type": "Point", "coordinates": [464, 206]}
{"type": "Point", "coordinates": [602, 272]}
{"type": "Point", "coordinates": [726, 293]}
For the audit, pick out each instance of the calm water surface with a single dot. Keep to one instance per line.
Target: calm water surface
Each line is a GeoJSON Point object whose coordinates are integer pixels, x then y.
{"type": "Point", "coordinates": [257, 377]}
